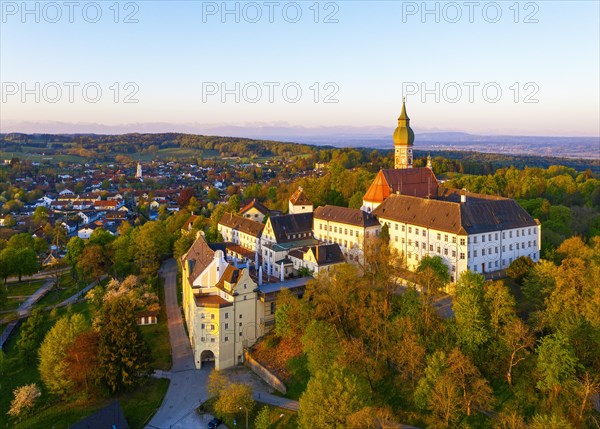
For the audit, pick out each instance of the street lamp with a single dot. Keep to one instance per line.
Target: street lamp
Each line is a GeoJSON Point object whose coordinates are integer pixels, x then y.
{"type": "Point", "coordinates": [246, 417]}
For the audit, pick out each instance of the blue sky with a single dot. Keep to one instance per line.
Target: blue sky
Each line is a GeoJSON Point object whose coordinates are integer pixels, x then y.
{"type": "Point", "coordinates": [177, 58]}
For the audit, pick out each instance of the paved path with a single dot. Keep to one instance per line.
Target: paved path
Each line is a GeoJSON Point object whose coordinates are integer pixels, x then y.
{"type": "Point", "coordinates": [187, 389]}
{"type": "Point", "coordinates": [79, 295]}
{"type": "Point", "coordinates": [38, 276]}
{"type": "Point", "coordinates": [35, 297]}
{"type": "Point", "coordinates": [278, 401]}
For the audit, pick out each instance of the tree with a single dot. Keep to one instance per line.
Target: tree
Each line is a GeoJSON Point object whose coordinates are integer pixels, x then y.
{"type": "Point", "coordinates": [101, 237]}
{"type": "Point", "coordinates": [436, 366]}
{"type": "Point", "coordinates": [217, 383]}
{"type": "Point", "coordinates": [8, 263]}
{"type": "Point", "coordinates": [27, 262]}
{"type": "Point", "coordinates": [92, 262]}
{"type": "Point", "coordinates": [122, 258]}
{"type": "Point", "coordinates": [151, 242]}
{"type": "Point", "coordinates": [75, 248]}
{"type": "Point", "coordinates": [586, 387]}
{"type": "Point", "coordinates": [331, 396]}
{"type": "Point", "coordinates": [500, 304]}
{"type": "Point", "coordinates": [31, 335]}
{"type": "Point", "coordinates": [123, 355]}
{"type": "Point", "coordinates": [321, 345]}
{"type": "Point", "coordinates": [556, 363]}
{"type": "Point", "coordinates": [82, 361]}
{"type": "Point", "coordinates": [474, 388]}
{"type": "Point", "coordinates": [40, 214]}
{"type": "Point", "coordinates": [433, 277]}
{"type": "Point", "coordinates": [540, 282]}
{"type": "Point", "coordinates": [468, 305]}
{"type": "Point", "coordinates": [24, 399]}
{"type": "Point", "coordinates": [553, 421]}
{"type": "Point", "coordinates": [519, 268]}
{"type": "Point", "coordinates": [385, 234]}
{"type": "Point", "coordinates": [9, 221]}
{"type": "Point", "coordinates": [53, 367]}
{"type": "Point", "coordinates": [518, 340]}
{"type": "Point", "coordinates": [184, 197]}
{"type": "Point", "coordinates": [291, 315]}
{"type": "Point", "coordinates": [263, 418]}
{"type": "Point", "coordinates": [213, 195]}
{"type": "Point", "coordinates": [445, 400]}
{"type": "Point", "coordinates": [233, 204]}
{"type": "Point", "coordinates": [20, 241]}
{"type": "Point", "coordinates": [509, 420]}
{"type": "Point", "coordinates": [408, 354]}
{"type": "Point", "coordinates": [235, 398]}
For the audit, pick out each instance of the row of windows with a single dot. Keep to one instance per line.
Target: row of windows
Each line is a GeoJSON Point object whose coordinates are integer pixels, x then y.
{"type": "Point", "coordinates": [335, 230]}
{"type": "Point", "coordinates": [516, 246]}
{"type": "Point", "coordinates": [212, 316]}
{"type": "Point", "coordinates": [423, 232]}
{"type": "Point", "coordinates": [212, 339]}
{"type": "Point", "coordinates": [337, 241]}
{"type": "Point", "coordinates": [518, 233]}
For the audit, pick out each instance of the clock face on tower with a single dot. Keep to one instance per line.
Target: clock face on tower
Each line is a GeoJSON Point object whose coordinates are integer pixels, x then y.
{"type": "Point", "coordinates": [403, 157]}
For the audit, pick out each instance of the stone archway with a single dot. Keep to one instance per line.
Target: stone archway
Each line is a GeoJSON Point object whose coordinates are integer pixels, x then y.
{"type": "Point", "coordinates": [207, 359]}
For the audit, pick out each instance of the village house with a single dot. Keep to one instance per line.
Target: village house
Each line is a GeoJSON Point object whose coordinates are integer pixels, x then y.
{"type": "Point", "coordinates": [254, 210]}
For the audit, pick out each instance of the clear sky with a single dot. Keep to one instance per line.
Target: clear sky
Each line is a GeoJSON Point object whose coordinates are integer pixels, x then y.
{"type": "Point", "coordinates": [180, 55]}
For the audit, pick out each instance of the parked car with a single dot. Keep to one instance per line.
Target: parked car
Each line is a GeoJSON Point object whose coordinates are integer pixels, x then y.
{"type": "Point", "coordinates": [214, 423]}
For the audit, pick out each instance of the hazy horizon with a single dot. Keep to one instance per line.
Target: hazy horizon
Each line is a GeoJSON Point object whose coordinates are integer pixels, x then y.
{"type": "Point", "coordinates": [501, 68]}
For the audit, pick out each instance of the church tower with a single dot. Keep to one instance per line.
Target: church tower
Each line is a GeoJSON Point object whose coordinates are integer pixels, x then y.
{"type": "Point", "coordinates": [403, 141]}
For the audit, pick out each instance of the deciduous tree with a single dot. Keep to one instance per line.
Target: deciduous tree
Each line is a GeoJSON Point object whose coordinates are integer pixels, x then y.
{"type": "Point", "coordinates": [31, 335]}
{"type": "Point", "coordinates": [556, 363]}
{"type": "Point", "coordinates": [330, 398]}
{"type": "Point", "coordinates": [469, 309]}
{"type": "Point", "coordinates": [53, 367]}
{"type": "Point", "coordinates": [24, 399]}
{"type": "Point", "coordinates": [518, 341]}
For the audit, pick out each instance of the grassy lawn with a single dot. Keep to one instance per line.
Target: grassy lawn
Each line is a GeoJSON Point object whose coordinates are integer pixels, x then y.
{"type": "Point", "coordinates": [12, 304]}
{"type": "Point", "coordinates": [280, 417]}
{"type": "Point", "coordinates": [140, 405]}
{"type": "Point", "coordinates": [18, 293]}
{"type": "Point", "coordinates": [24, 288]}
{"type": "Point", "coordinates": [157, 336]}
{"type": "Point", "coordinates": [67, 287]}
{"type": "Point", "coordinates": [299, 376]}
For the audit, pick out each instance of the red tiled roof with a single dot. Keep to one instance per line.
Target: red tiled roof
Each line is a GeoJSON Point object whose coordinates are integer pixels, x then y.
{"type": "Point", "coordinates": [416, 182]}
{"type": "Point", "coordinates": [199, 256]}
{"type": "Point", "coordinates": [299, 198]}
{"type": "Point", "coordinates": [255, 204]}
{"type": "Point", "coordinates": [346, 216]}
{"type": "Point", "coordinates": [242, 224]}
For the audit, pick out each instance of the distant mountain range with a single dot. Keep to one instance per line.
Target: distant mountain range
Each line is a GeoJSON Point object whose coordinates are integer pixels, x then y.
{"type": "Point", "coordinates": [371, 137]}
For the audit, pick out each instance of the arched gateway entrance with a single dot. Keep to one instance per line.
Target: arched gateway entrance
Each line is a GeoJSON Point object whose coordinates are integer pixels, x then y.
{"type": "Point", "coordinates": [207, 359]}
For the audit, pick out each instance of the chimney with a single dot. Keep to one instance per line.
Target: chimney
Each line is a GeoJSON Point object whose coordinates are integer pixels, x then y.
{"type": "Point", "coordinates": [463, 196]}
